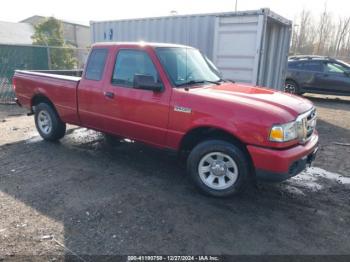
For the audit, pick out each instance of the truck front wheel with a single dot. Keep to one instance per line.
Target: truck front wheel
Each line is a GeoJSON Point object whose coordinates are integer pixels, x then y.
{"type": "Point", "coordinates": [218, 168]}
{"type": "Point", "coordinates": [48, 123]}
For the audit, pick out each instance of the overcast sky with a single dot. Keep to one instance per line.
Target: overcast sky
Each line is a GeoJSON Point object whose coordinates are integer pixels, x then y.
{"type": "Point", "coordinates": [85, 11]}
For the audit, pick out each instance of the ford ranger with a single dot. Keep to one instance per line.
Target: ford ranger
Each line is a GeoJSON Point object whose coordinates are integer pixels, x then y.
{"type": "Point", "coordinates": [173, 97]}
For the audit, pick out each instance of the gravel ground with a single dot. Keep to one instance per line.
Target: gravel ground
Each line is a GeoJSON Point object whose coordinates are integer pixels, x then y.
{"type": "Point", "coordinates": [83, 197]}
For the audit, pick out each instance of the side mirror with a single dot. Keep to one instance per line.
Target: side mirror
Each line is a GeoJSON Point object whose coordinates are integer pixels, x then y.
{"type": "Point", "coordinates": [146, 82]}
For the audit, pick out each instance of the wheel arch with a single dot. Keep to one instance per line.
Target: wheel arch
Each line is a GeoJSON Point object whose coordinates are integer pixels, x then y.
{"type": "Point", "coordinates": [41, 98]}
{"type": "Point", "coordinates": [201, 133]}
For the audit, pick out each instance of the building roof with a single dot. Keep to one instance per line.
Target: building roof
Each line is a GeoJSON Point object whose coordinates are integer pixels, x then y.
{"type": "Point", "coordinates": [266, 11]}
{"type": "Point", "coordinates": [16, 33]}
{"type": "Point", "coordinates": [39, 18]}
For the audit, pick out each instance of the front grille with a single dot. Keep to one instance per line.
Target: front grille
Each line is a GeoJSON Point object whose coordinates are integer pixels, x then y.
{"type": "Point", "coordinates": [307, 125]}
{"type": "Point", "coordinates": [310, 123]}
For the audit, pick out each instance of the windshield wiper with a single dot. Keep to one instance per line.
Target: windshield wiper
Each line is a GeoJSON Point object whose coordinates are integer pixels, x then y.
{"type": "Point", "coordinates": [193, 82]}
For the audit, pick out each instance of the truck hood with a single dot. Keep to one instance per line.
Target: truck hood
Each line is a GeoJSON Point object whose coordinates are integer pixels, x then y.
{"type": "Point", "coordinates": [262, 98]}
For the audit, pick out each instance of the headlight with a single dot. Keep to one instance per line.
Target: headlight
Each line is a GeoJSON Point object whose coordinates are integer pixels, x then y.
{"type": "Point", "coordinates": [284, 133]}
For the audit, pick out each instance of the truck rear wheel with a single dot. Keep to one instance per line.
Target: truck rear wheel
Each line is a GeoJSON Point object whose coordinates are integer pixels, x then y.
{"type": "Point", "coordinates": [218, 168]}
{"type": "Point", "coordinates": [48, 123]}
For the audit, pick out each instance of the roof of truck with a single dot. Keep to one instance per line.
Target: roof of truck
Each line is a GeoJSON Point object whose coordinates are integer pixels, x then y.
{"type": "Point", "coordinates": [141, 43]}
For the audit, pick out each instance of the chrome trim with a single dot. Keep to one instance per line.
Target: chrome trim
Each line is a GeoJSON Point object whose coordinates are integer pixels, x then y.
{"type": "Point", "coordinates": [306, 124]}
{"type": "Point", "coordinates": [182, 109]}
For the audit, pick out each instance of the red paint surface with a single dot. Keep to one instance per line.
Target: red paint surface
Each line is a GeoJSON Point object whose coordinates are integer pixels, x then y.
{"type": "Point", "coordinates": [244, 111]}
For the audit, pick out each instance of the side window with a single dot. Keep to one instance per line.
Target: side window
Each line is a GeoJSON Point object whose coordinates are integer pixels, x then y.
{"type": "Point", "coordinates": [293, 65]}
{"type": "Point", "coordinates": [335, 68]}
{"type": "Point", "coordinates": [315, 66]}
{"type": "Point", "coordinates": [96, 64]}
{"type": "Point", "coordinates": [130, 63]}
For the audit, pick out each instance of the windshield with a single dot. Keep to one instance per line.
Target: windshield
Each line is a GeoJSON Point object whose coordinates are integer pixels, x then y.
{"type": "Point", "coordinates": [186, 66]}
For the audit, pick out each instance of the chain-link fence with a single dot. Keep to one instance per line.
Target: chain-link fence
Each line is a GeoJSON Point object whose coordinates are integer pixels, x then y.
{"type": "Point", "coordinates": [13, 57]}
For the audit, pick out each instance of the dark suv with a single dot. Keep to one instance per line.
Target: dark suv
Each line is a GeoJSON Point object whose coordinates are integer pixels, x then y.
{"type": "Point", "coordinates": [316, 74]}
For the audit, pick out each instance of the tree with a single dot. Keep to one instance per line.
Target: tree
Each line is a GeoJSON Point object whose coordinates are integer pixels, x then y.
{"type": "Point", "coordinates": [305, 18]}
{"type": "Point", "coordinates": [50, 33]}
{"type": "Point", "coordinates": [324, 30]}
{"type": "Point", "coordinates": [342, 31]}
{"type": "Point", "coordinates": [322, 36]}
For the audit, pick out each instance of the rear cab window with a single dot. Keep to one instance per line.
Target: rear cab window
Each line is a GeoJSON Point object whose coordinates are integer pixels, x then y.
{"type": "Point", "coordinates": [96, 64]}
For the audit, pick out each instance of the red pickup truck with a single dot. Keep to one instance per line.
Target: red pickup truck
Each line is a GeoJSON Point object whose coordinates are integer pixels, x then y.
{"type": "Point", "coordinates": [173, 97]}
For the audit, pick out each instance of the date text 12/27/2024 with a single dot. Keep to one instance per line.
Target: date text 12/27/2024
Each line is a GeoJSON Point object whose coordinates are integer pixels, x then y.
{"type": "Point", "coordinates": [173, 258]}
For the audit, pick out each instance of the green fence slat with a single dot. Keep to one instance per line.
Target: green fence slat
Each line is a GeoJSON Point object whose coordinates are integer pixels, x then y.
{"type": "Point", "coordinates": [17, 57]}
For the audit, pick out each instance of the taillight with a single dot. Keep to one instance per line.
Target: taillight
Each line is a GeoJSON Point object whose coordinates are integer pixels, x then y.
{"type": "Point", "coordinates": [14, 84]}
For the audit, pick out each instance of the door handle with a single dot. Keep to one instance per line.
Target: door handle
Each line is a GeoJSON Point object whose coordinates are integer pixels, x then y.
{"type": "Point", "coordinates": [109, 94]}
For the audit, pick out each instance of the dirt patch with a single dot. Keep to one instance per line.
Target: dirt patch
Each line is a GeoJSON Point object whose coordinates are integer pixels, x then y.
{"type": "Point", "coordinates": [10, 111]}
{"type": "Point", "coordinates": [334, 130]}
{"type": "Point", "coordinates": [81, 196]}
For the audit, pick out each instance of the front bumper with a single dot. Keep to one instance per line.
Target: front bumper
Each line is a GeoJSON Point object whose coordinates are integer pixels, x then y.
{"type": "Point", "coordinates": [278, 165]}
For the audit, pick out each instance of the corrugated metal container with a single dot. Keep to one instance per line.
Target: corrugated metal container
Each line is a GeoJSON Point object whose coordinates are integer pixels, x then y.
{"type": "Point", "coordinates": [250, 46]}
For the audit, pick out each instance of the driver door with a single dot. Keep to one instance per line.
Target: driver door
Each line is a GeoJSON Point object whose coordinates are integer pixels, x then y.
{"type": "Point", "coordinates": [136, 113]}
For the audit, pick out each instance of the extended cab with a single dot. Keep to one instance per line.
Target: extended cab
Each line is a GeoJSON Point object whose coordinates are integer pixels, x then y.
{"type": "Point", "coordinates": [173, 97]}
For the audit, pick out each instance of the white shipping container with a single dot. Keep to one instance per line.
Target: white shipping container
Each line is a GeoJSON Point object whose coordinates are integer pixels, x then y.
{"type": "Point", "coordinates": [247, 46]}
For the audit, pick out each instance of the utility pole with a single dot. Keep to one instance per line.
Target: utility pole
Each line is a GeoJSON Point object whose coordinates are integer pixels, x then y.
{"type": "Point", "coordinates": [236, 6]}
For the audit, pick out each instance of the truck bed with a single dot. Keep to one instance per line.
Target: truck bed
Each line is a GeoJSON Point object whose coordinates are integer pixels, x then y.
{"type": "Point", "coordinates": [60, 86]}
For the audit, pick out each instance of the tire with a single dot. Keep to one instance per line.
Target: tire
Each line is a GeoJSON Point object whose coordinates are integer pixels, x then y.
{"type": "Point", "coordinates": [231, 174]}
{"type": "Point", "coordinates": [48, 123]}
{"type": "Point", "coordinates": [290, 86]}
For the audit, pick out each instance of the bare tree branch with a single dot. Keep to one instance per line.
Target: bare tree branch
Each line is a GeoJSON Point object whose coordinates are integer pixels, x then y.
{"type": "Point", "coordinates": [343, 30]}
{"type": "Point", "coordinates": [323, 36]}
